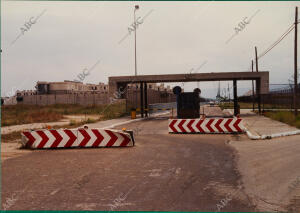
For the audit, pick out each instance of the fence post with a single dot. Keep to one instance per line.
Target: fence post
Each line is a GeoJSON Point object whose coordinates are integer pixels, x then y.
{"type": "Point", "coordinates": [258, 95]}
{"type": "Point", "coordinates": [235, 103]}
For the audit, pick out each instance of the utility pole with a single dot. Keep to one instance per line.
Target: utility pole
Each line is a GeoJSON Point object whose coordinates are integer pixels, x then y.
{"type": "Point", "coordinates": [136, 7]}
{"type": "Point", "coordinates": [295, 65]}
{"type": "Point", "coordinates": [258, 84]}
{"type": "Point", "coordinates": [228, 92]}
{"type": "Point", "coordinates": [252, 88]}
{"type": "Point", "coordinates": [235, 101]}
{"type": "Point", "coordinates": [256, 60]}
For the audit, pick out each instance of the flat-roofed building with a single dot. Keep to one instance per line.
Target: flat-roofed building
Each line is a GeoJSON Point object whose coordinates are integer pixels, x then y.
{"type": "Point", "coordinates": [69, 87]}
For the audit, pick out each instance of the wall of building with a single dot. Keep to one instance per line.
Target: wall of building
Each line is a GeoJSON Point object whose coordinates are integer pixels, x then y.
{"type": "Point", "coordinates": [81, 99]}
{"type": "Point", "coordinates": [154, 96]}
{"type": "Point", "coordinates": [10, 100]}
{"type": "Point", "coordinates": [66, 87]}
{"type": "Point", "coordinates": [70, 92]}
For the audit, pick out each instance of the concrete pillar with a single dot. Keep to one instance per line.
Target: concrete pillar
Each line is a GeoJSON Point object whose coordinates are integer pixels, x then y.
{"type": "Point", "coordinates": [112, 88]}
{"type": "Point", "coordinates": [235, 101]}
{"type": "Point", "coordinates": [146, 99]}
{"type": "Point", "coordinates": [258, 93]}
{"type": "Point", "coordinates": [142, 98]}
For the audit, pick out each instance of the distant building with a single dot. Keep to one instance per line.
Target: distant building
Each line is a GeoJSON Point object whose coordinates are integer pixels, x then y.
{"type": "Point", "coordinates": [25, 92]}
{"type": "Point", "coordinates": [75, 92]}
{"type": "Point", "coordinates": [69, 87]}
{"type": "Point", "coordinates": [152, 86]}
{"type": "Point", "coordinates": [9, 100]}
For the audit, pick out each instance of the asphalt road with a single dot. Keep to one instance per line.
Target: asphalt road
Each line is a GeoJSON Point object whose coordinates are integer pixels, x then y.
{"type": "Point", "coordinates": [163, 172]}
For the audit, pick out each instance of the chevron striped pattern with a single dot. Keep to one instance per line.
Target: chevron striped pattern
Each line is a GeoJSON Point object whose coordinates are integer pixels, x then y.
{"type": "Point", "coordinates": [65, 138]}
{"type": "Point", "coordinates": [207, 125]}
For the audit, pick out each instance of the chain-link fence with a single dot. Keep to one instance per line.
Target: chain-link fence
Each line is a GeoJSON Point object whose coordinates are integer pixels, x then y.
{"type": "Point", "coordinates": [279, 97]}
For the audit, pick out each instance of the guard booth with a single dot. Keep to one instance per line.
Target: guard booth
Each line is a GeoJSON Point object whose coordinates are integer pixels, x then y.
{"type": "Point", "coordinates": [188, 103]}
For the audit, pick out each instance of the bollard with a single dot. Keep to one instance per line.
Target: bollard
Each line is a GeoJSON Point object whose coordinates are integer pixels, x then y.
{"type": "Point", "coordinates": [133, 113]}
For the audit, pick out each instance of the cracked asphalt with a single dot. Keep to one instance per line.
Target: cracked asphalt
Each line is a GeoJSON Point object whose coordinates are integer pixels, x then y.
{"type": "Point", "coordinates": [163, 172]}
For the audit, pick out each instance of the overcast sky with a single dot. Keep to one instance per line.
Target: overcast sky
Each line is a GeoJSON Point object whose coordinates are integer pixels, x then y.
{"type": "Point", "coordinates": [174, 38]}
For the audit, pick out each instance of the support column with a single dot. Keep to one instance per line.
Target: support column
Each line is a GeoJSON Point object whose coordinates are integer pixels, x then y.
{"type": "Point", "coordinates": [142, 99]}
{"type": "Point", "coordinates": [258, 95]}
{"type": "Point", "coordinates": [235, 101]}
{"type": "Point", "coordinates": [253, 99]}
{"type": "Point", "coordinates": [146, 99]}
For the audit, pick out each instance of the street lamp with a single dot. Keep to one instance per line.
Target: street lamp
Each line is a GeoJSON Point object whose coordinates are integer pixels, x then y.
{"type": "Point", "coordinates": [136, 7]}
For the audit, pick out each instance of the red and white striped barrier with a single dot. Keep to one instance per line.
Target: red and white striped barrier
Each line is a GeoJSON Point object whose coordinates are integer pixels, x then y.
{"type": "Point", "coordinates": [65, 138]}
{"type": "Point", "coordinates": [206, 125]}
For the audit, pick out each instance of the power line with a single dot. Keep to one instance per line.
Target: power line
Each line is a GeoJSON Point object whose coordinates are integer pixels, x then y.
{"type": "Point", "coordinates": [276, 42]}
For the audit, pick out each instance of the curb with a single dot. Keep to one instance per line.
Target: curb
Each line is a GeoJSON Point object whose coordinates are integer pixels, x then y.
{"type": "Point", "coordinates": [264, 137]}
{"type": "Point", "coordinates": [276, 135]}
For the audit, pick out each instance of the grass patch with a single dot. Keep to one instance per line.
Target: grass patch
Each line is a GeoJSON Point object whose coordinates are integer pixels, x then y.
{"type": "Point", "coordinates": [11, 137]}
{"type": "Point", "coordinates": [16, 116]}
{"type": "Point", "coordinates": [285, 117]}
{"type": "Point", "coordinates": [24, 114]}
{"type": "Point", "coordinates": [230, 105]}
